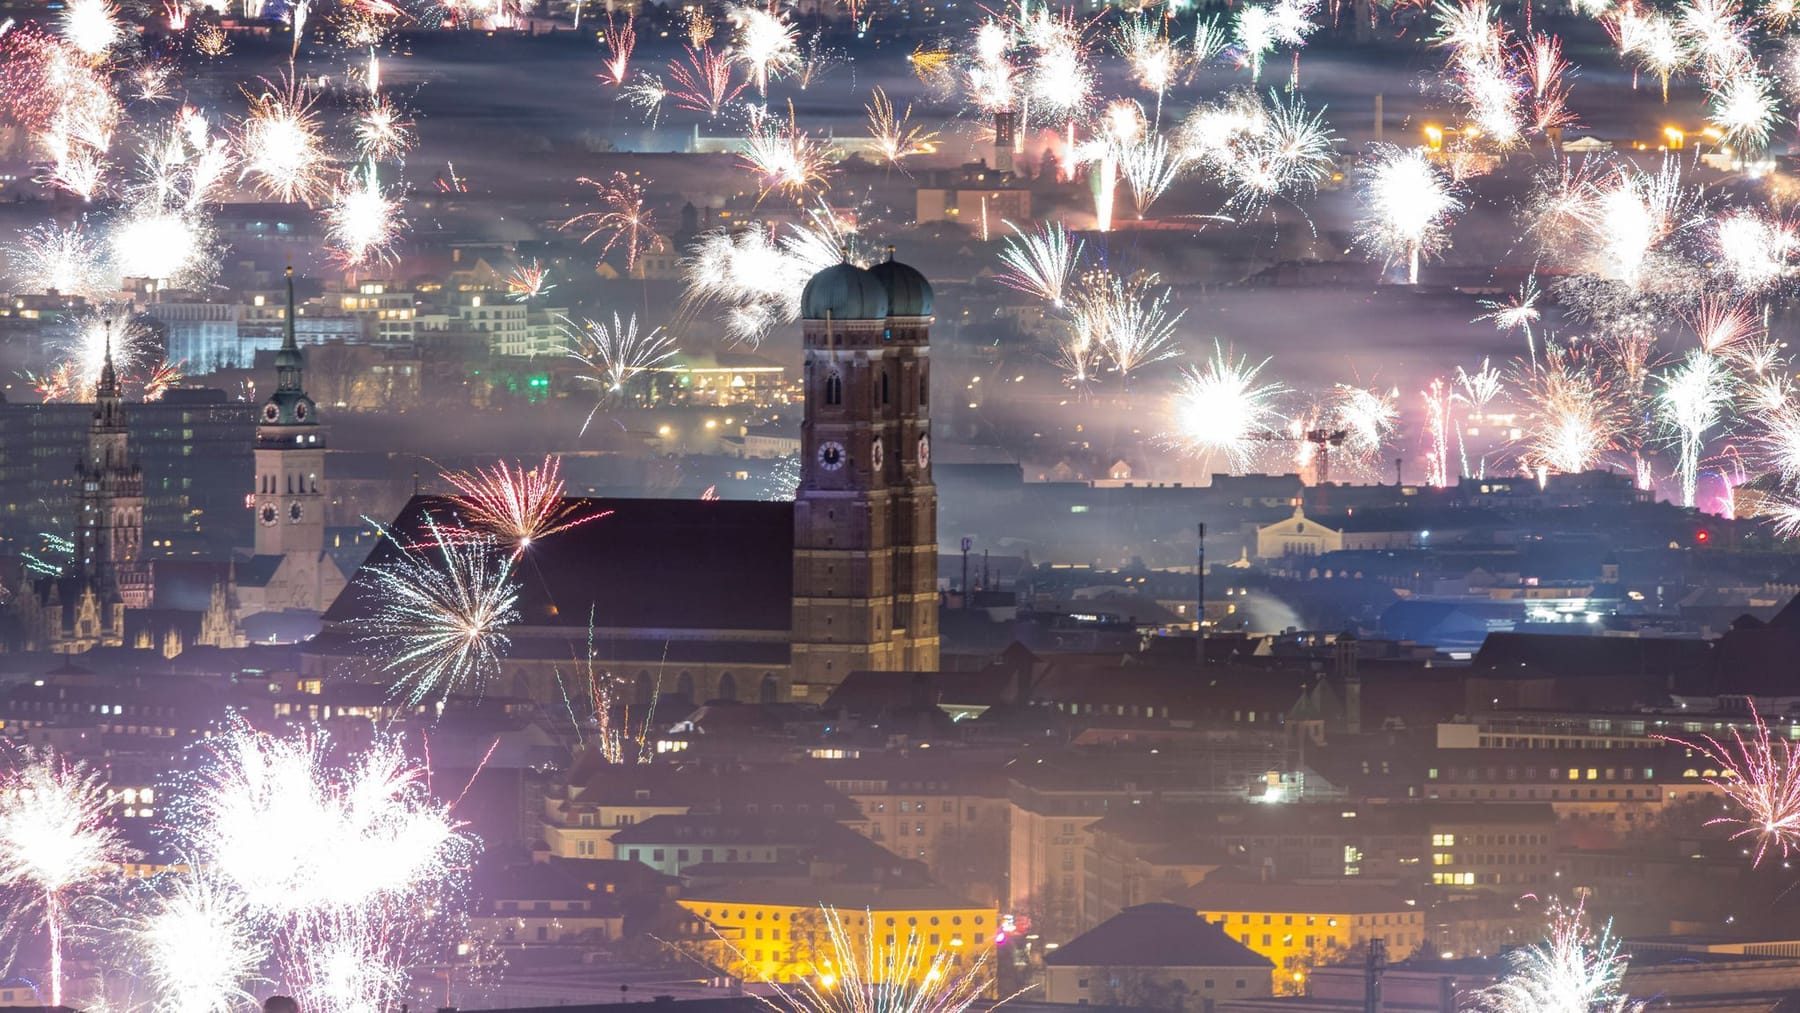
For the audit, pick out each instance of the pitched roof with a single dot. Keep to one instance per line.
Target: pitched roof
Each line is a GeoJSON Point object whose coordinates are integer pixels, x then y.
{"type": "Point", "coordinates": [1336, 899]}
{"type": "Point", "coordinates": [1155, 935]}
{"type": "Point", "coordinates": [648, 563]}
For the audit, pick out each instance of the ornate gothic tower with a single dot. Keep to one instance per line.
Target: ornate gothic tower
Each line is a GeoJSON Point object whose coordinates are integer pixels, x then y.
{"type": "Point", "coordinates": [109, 505]}
{"type": "Point", "coordinates": [290, 459]}
{"type": "Point", "coordinates": [865, 517]}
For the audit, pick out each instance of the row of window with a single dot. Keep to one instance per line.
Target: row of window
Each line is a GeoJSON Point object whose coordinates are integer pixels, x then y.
{"type": "Point", "coordinates": [1550, 774]}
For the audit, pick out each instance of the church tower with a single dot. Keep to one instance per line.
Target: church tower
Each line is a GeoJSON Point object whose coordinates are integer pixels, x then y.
{"type": "Point", "coordinates": [290, 459]}
{"type": "Point", "coordinates": [865, 516]}
{"type": "Point", "coordinates": [109, 505]}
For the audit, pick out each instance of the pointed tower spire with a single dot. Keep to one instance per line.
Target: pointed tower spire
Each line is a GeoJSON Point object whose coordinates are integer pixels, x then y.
{"type": "Point", "coordinates": [289, 360]}
{"type": "Point", "coordinates": [109, 377]}
{"type": "Point", "coordinates": [287, 339]}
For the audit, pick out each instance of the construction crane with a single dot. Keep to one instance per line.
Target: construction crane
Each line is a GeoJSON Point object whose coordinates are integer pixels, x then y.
{"type": "Point", "coordinates": [1323, 439]}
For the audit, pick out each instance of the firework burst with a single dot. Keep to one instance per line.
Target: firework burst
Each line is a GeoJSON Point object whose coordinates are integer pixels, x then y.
{"type": "Point", "coordinates": [1408, 204]}
{"type": "Point", "coordinates": [621, 218]}
{"type": "Point", "coordinates": [280, 146]}
{"type": "Point", "coordinates": [1694, 398]}
{"type": "Point", "coordinates": [1222, 408]}
{"type": "Point", "coordinates": [1574, 970]}
{"type": "Point", "coordinates": [1761, 780]}
{"type": "Point", "coordinates": [55, 841]}
{"type": "Point", "coordinates": [1043, 262]}
{"type": "Point", "coordinates": [1573, 414]}
{"type": "Point", "coordinates": [513, 506]}
{"type": "Point", "coordinates": [618, 353]}
{"type": "Point", "coordinates": [441, 609]}
{"type": "Point", "coordinates": [363, 222]}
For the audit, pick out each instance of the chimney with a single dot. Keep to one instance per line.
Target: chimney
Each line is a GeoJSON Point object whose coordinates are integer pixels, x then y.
{"type": "Point", "coordinates": [1005, 136]}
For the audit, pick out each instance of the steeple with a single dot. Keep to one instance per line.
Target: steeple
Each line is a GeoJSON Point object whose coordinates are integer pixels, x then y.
{"type": "Point", "coordinates": [289, 361]}
{"type": "Point", "coordinates": [288, 406]}
{"type": "Point", "coordinates": [108, 385]}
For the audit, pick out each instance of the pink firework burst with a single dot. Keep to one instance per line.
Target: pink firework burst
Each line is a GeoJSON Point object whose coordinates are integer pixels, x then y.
{"type": "Point", "coordinates": [621, 217]}
{"type": "Point", "coordinates": [1759, 776]}
{"type": "Point", "coordinates": [514, 505]}
{"type": "Point", "coordinates": [704, 82]}
{"type": "Point", "coordinates": [621, 39]}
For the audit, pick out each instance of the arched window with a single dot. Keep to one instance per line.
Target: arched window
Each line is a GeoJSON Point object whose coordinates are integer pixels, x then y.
{"type": "Point", "coordinates": [771, 688]}
{"type": "Point", "coordinates": [924, 388]}
{"type": "Point", "coordinates": [884, 386]}
{"type": "Point", "coordinates": [834, 388]}
{"type": "Point", "coordinates": [684, 685]}
{"type": "Point", "coordinates": [728, 687]}
{"type": "Point", "coordinates": [642, 689]}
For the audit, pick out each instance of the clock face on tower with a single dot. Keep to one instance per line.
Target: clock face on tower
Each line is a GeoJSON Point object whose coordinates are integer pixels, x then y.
{"type": "Point", "coordinates": [271, 413]}
{"type": "Point", "coordinates": [877, 454]}
{"type": "Point", "coordinates": [831, 455]}
{"type": "Point", "coordinates": [300, 410]}
{"type": "Point", "coordinates": [924, 451]}
{"type": "Point", "coordinates": [295, 512]}
{"type": "Point", "coordinates": [267, 514]}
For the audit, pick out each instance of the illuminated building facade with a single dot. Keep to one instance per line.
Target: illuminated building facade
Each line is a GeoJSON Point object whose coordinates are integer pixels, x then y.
{"type": "Point", "coordinates": [776, 931]}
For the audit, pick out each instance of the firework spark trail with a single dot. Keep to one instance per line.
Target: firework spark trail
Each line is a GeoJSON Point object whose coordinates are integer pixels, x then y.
{"type": "Point", "coordinates": [440, 609]}
{"type": "Point", "coordinates": [383, 132]}
{"type": "Point", "coordinates": [896, 137]}
{"type": "Point", "coordinates": [50, 258]}
{"type": "Point", "coordinates": [1150, 167]}
{"type": "Point", "coordinates": [1368, 418]}
{"type": "Point", "coordinates": [55, 841]}
{"type": "Point", "coordinates": [341, 862]}
{"type": "Point", "coordinates": [528, 281]}
{"type": "Point", "coordinates": [1130, 324]}
{"type": "Point", "coordinates": [1437, 398]}
{"type": "Point", "coordinates": [755, 275]}
{"type": "Point", "coordinates": [363, 221]}
{"type": "Point", "coordinates": [280, 146]}
{"type": "Point", "coordinates": [1572, 414]}
{"type": "Point", "coordinates": [1755, 251]}
{"type": "Point", "coordinates": [1519, 310]}
{"type": "Point", "coordinates": [647, 93]}
{"type": "Point", "coordinates": [1479, 45]}
{"type": "Point", "coordinates": [1744, 109]}
{"type": "Point", "coordinates": [1616, 221]}
{"type": "Point", "coordinates": [621, 217]}
{"type": "Point", "coordinates": [1761, 778]}
{"type": "Point", "coordinates": [1408, 204]}
{"type": "Point", "coordinates": [513, 506]}
{"type": "Point", "coordinates": [766, 42]}
{"type": "Point", "coordinates": [786, 158]}
{"type": "Point", "coordinates": [1722, 324]}
{"type": "Point", "coordinates": [1042, 262]}
{"type": "Point", "coordinates": [1695, 397]}
{"type": "Point", "coordinates": [1221, 408]}
{"type": "Point", "coordinates": [1478, 390]}
{"type": "Point", "coordinates": [620, 40]}
{"type": "Point", "coordinates": [618, 353]}
{"type": "Point", "coordinates": [200, 946]}
{"type": "Point", "coordinates": [84, 353]}
{"type": "Point", "coordinates": [1574, 970]}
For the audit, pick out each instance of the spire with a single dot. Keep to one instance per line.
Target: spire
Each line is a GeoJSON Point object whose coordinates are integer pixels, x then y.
{"type": "Point", "coordinates": [109, 377]}
{"type": "Point", "coordinates": [288, 344]}
{"type": "Point", "coordinates": [289, 360]}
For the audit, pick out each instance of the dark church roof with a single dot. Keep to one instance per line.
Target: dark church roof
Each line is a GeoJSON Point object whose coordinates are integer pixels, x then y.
{"type": "Point", "coordinates": [908, 293]}
{"type": "Point", "coordinates": [652, 564]}
{"type": "Point", "coordinates": [1155, 935]}
{"type": "Point", "coordinates": [844, 292]}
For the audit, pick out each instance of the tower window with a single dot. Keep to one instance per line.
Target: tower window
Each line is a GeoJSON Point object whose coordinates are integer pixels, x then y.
{"type": "Point", "coordinates": [834, 388]}
{"type": "Point", "coordinates": [924, 389]}
{"type": "Point", "coordinates": [884, 387]}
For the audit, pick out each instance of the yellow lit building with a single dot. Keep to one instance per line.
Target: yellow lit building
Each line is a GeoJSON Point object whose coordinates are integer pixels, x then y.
{"type": "Point", "coordinates": [776, 931]}
{"type": "Point", "coordinates": [1298, 927]}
